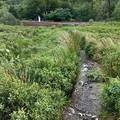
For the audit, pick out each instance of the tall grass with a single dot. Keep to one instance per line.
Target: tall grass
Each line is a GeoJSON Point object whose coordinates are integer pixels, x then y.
{"type": "Point", "coordinates": [40, 69]}
{"type": "Point", "coordinates": [103, 46]}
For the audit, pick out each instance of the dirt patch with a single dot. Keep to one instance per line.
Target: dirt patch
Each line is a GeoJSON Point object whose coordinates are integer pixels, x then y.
{"type": "Point", "coordinates": [51, 23]}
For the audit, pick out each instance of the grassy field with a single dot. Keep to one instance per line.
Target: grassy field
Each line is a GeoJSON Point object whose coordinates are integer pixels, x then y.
{"type": "Point", "coordinates": [38, 70]}
{"type": "Point", "coordinates": [39, 67]}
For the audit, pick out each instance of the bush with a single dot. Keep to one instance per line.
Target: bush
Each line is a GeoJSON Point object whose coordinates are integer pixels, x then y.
{"type": "Point", "coordinates": [116, 13]}
{"type": "Point", "coordinates": [7, 18]}
{"type": "Point", "coordinates": [111, 62]}
{"type": "Point", "coordinates": [39, 73]}
{"type": "Point", "coordinates": [91, 49]}
{"type": "Point", "coordinates": [91, 20]}
{"type": "Point", "coordinates": [59, 15]}
{"type": "Point", "coordinates": [82, 43]}
{"type": "Point", "coordinates": [95, 75]}
{"type": "Point", "coordinates": [59, 73]}
{"type": "Point", "coordinates": [111, 96]}
{"type": "Point", "coordinates": [47, 74]}
{"type": "Point", "coordinates": [83, 12]}
{"type": "Point", "coordinates": [24, 101]}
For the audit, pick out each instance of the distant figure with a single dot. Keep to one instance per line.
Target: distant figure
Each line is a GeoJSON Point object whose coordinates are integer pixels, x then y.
{"type": "Point", "coordinates": [39, 19]}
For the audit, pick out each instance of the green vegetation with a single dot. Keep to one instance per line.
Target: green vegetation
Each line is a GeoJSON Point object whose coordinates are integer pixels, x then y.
{"type": "Point", "coordinates": [111, 96]}
{"type": "Point", "coordinates": [95, 75]}
{"type": "Point", "coordinates": [38, 68]}
{"type": "Point", "coordinates": [116, 12]}
{"type": "Point", "coordinates": [59, 15]}
{"type": "Point", "coordinates": [63, 10]}
{"type": "Point", "coordinates": [103, 46]}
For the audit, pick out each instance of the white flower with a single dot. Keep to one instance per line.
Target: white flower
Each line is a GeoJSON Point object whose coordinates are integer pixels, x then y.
{"type": "Point", "coordinates": [7, 50]}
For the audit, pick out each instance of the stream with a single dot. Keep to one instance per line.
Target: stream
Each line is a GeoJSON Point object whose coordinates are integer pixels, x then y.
{"type": "Point", "coordinates": [85, 104]}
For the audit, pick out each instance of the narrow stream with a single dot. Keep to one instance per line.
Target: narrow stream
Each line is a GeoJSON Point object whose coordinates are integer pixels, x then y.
{"type": "Point", "coordinates": [85, 103]}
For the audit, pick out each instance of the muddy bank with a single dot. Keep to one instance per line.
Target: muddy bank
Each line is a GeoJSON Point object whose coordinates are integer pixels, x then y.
{"type": "Point", "coordinates": [52, 23]}
{"type": "Point", "coordinates": [86, 104]}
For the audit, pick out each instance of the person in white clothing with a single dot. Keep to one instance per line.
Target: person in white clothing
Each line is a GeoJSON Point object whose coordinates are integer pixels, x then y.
{"type": "Point", "coordinates": [39, 19]}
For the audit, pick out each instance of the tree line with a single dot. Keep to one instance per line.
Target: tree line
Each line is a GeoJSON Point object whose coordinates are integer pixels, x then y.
{"type": "Point", "coordinates": [61, 10]}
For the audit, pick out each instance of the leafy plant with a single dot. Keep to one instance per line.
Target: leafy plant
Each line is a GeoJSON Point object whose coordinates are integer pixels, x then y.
{"type": "Point", "coordinates": [38, 73]}
{"type": "Point", "coordinates": [23, 101]}
{"type": "Point", "coordinates": [95, 75]}
{"type": "Point", "coordinates": [90, 49]}
{"type": "Point", "coordinates": [111, 63]}
{"type": "Point", "coordinates": [7, 18]}
{"type": "Point", "coordinates": [111, 96]}
{"type": "Point", "coordinates": [59, 14]}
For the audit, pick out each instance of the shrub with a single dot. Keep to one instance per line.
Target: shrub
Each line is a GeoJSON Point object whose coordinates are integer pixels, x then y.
{"type": "Point", "coordinates": [82, 43]}
{"type": "Point", "coordinates": [116, 13]}
{"type": "Point", "coordinates": [7, 18]}
{"type": "Point", "coordinates": [111, 96]}
{"type": "Point", "coordinates": [95, 75]}
{"type": "Point", "coordinates": [59, 15]}
{"type": "Point", "coordinates": [56, 72]}
{"type": "Point", "coordinates": [24, 101]}
{"type": "Point", "coordinates": [19, 115]}
{"type": "Point", "coordinates": [91, 20]}
{"type": "Point", "coordinates": [39, 72]}
{"type": "Point", "coordinates": [83, 12]}
{"type": "Point", "coordinates": [91, 49]}
{"type": "Point", "coordinates": [111, 62]}
{"type": "Point", "coordinates": [47, 73]}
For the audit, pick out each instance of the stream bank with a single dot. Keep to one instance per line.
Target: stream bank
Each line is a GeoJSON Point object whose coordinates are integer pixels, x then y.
{"type": "Point", "coordinates": [85, 104]}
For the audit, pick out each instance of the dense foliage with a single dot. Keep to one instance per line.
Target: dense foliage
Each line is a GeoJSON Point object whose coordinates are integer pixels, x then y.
{"type": "Point", "coordinates": [116, 12]}
{"type": "Point", "coordinates": [59, 15]}
{"type": "Point", "coordinates": [111, 97]}
{"type": "Point", "coordinates": [103, 45]}
{"type": "Point", "coordinates": [24, 102]}
{"type": "Point", "coordinates": [38, 68]}
{"type": "Point", "coordinates": [81, 10]}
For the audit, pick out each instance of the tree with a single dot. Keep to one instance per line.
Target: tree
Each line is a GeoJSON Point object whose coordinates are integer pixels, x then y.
{"type": "Point", "coordinates": [116, 13]}
{"type": "Point", "coordinates": [59, 15]}
{"type": "Point", "coordinates": [81, 9]}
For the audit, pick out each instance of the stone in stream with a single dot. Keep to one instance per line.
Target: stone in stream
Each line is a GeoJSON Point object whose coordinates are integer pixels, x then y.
{"type": "Point", "coordinates": [72, 110]}
{"type": "Point", "coordinates": [92, 97]}
{"type": "Point", "coordinates": [88, 115]}
{"type": "Point", "coordinates": [69, 114]}
{"type": "Point", "coordinates": [85, 99]}
{"type": "Point", "coordinates": [80, 114]}
{"type": "Point", "coordinates": [90, 86]}
{"type": "Point", "coordinates": [85, 70]}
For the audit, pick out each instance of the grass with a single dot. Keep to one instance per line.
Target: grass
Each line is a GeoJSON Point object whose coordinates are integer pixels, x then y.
{"type": "Point", "coordinates": [42, 59]}
{"type": "Point", "coordinates": [40, 65]}
{"type": "Point", "coordinates": [103, 46]}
